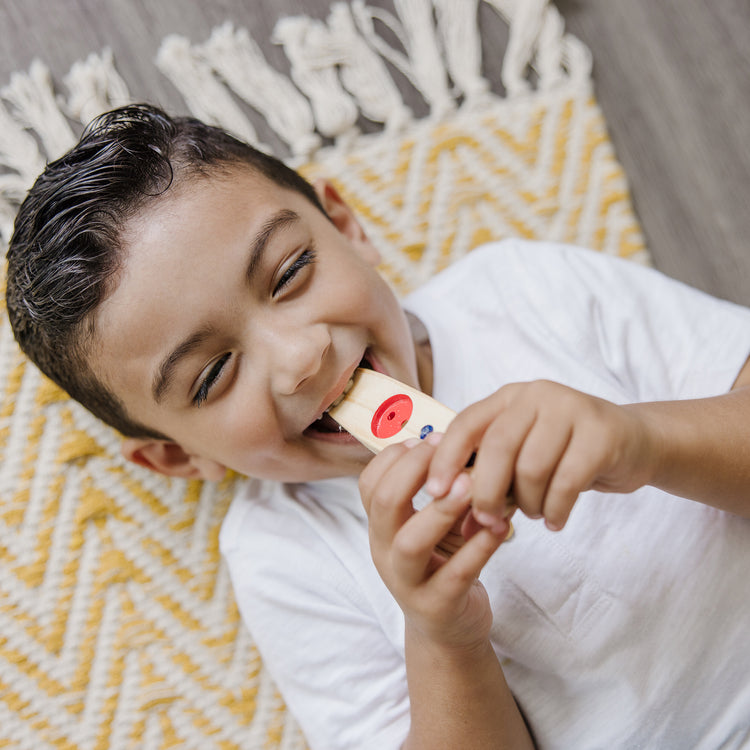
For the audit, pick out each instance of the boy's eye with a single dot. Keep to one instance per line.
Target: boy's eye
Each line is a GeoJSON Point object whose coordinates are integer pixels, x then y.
{"type": "Point", "coordinates": [214, 373]}
{"type": "Point", "coordinates": [304, 259]}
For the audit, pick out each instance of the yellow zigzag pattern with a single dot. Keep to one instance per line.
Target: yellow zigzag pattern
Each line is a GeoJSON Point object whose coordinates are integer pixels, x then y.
{"type": "Point", "coordinates": [117, 624]}
{"type": "Point", "coordinates": [525, 168]}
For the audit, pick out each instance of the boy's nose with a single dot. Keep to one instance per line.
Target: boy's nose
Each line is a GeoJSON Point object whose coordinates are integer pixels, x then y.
{"type": "Point", "coordinates": [299, 355]}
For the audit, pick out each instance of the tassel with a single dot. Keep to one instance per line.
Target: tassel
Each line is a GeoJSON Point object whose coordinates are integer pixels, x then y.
{"type": "Point", "coordinates": [95, 87]}
{"type": "Point", "coordinates": [20, 155]}
{"type": "Point", "coordinates": [237, 58]}
{"type": "Point", "coordinates": [423, 62]}
{"type": "Point", "coordinates": [34, 106]}
{"type": "Point", "coordinates": [538, 40]}
{"type": "Point", "coordinates": [426, 55]}
{"type": "Point", "coordinates": [313, 70]}
{"type": "Point", "coordinates": [18, 152]}
{"type": "Point", "coordinates": [363, 72]}
{"type": "Point", "coordinates": [205, 96]}
{"type": "Point", "coordinates": [457, 24]}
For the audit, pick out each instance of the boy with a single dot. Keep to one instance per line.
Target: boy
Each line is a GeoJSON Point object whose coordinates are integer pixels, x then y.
{"type": "Point", "coordinates": [209, 304]}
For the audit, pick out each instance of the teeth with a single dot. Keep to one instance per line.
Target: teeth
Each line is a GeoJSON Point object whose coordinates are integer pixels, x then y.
{"type": "Point", "coordinates": [341, 397]}
{"type": "Point", "coordinates": [337, 401]}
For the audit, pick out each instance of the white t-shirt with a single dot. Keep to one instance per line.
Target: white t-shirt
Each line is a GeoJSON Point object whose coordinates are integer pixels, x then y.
{"type": "Point", "coordinates": [628, 629]}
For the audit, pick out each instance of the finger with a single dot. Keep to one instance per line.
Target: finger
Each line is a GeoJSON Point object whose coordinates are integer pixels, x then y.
{"type": "Point", "coordinates": [459, 442]}
{"type": "Point", "coordinates": [471, 524]}
{"type": "Point", "coordinates": [390, 500]}
{"type": "Point", "coordinates": [574, 474]}
{"type": "Point", "coordinates": [538, 459]}
{"type": "Point", "coordinates": [495, 464]}
{"type": "Point", "coordinates": [413, 551]}
{"type": "Point", "coordinates": [377, 469]}
{"type": "Point", "coordinates": [457, 575]}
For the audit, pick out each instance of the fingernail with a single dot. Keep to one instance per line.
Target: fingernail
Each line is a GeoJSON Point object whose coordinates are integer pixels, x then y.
{"type": "Point", "coordinates": [498, 525]}
{"type": "Point", "coordinates": [501, 528]}
{"type": "Point", "coordinates": [411, 442]}
{"type": "Point", "coordinates": [460, 488]}
{"type": "Point", "coordinates": [487, 519]}
{"type": "Point", "coordinates": [434, 438]}
{"type": "Point", "coordinates": [435, 487]}
{"type": "Point", "coordinates": [552, 526]}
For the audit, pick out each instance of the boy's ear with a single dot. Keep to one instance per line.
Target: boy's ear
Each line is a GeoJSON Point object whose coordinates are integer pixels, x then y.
{"type": "Point", "coordinates": [345, 220]}
{"type": "Point", "coordinates": [171, 459]}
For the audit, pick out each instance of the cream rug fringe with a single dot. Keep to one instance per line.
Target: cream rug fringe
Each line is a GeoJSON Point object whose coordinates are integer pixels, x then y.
{"type": "Point", "coordinates": [338, 73]}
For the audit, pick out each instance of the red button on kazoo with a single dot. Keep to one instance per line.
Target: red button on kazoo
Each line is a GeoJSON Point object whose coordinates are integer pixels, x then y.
{"type": "Point", "coordinates": [391, 416]}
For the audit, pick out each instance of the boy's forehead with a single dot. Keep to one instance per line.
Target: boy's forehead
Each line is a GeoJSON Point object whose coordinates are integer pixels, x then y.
{"type": "Point", "coordinates": [173, 253]}
{"type": "Point", "coordinates": [190, 188]}
{"type": "Point", "coordinates": [235, 197]}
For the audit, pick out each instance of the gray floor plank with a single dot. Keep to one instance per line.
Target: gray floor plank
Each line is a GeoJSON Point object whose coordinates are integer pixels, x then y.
{"type": "Point", "coordinates": [673, 79]}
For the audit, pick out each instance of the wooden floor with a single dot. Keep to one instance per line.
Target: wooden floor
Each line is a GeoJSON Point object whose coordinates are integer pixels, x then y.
{"type": "Point", "coordinates": [673, 79]}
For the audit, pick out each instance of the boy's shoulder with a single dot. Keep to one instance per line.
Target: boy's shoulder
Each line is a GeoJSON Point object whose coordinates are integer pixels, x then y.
{"type": "Point", "coordinates": [539, 256]}
{"type": "Point", "coordinates": [526, 257]}
{"type": "Point", "coordinates": [518, 269]}
{"type": "Point", "coordinates": [535, 272]}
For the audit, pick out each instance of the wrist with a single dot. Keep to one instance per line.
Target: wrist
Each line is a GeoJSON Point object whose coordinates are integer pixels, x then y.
{"type": "Point", "coordinates": [673, 443]}
{"type": "Point", "coordinates": [650, 444]}
{"type": "Point", "coordinates": [448, 647]}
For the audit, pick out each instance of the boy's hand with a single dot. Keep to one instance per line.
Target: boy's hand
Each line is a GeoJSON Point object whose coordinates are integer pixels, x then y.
{"type": "Point", "coordinates": [439, 594]}
{"type": "Point", "coordinates": [542, 443]}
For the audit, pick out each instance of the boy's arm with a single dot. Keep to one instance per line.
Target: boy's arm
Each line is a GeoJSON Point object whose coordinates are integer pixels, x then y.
{"type": "Point", "coordinates": [457, 691]}
{"type": "Point", "coordinates": [459, 698]}
{"type": "Point", "coordinates": [701, 447]}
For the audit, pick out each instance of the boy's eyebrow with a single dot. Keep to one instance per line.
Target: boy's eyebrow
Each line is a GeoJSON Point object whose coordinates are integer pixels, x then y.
{"type": "Point", "coordinates": [163, 378]}
{"type": "Point", "coordinates": [278, 221]}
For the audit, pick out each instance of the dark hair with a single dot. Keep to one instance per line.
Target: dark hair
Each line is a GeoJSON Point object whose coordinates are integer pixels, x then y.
{"type": "Point", "coordinates": [65, 248]}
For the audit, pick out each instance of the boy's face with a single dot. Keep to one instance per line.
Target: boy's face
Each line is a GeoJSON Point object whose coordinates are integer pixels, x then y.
{"type": "Point", "coordinates": [239, 315]}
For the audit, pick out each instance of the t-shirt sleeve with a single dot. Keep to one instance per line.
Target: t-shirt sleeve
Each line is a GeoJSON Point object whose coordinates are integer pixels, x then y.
{"type": "Point", "coordinates": [342, 679]}
{"type": "Point", "coordinates": [657, 338]}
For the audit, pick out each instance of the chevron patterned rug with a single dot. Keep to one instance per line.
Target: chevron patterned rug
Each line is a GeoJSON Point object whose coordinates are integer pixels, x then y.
{"type": "Point", "coordinates": [117, 624]}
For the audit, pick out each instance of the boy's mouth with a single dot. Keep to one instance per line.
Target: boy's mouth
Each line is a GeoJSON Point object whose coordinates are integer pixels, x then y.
{"type": "Point", "coordinates": [326, 424]}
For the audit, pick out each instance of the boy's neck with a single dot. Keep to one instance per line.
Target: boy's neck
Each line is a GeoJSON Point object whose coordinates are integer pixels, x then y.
{"type": "Point", "coordinates": [423, 351]}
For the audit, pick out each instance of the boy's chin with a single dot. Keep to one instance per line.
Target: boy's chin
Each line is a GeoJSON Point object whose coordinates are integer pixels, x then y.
{"type": "Point", "coordinates": [344, 456]}
{"type": "Point", "coordinates": [318, 460]}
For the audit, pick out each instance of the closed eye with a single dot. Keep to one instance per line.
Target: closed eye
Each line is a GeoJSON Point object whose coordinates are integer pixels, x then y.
{"type": "Point", "coordinates": [305, 258]}
{"type": "Point", "coordinates": [208, 382]}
